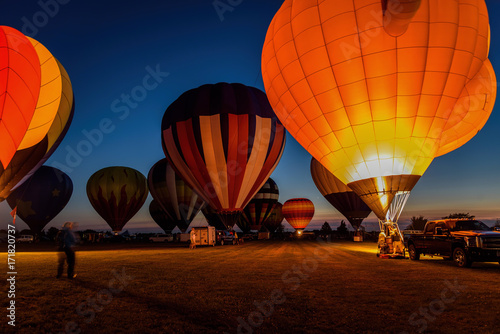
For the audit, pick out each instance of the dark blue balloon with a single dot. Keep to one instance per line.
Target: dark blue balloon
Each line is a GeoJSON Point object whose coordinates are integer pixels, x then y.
{"type": "Point", "coordinates": [40, 198]}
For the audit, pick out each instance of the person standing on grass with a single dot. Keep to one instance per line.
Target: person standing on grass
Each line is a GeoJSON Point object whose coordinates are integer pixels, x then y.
{"type": "Point", "coordinates": [66, 242]}
{"type": "Point", "coordinates": [192, 237]}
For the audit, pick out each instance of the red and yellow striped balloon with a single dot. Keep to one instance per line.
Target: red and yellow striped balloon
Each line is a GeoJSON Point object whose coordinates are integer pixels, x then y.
{"type": "Point", "coordinates": [224, 140]}
{"type": "Point", "coordinates": [298, 212]}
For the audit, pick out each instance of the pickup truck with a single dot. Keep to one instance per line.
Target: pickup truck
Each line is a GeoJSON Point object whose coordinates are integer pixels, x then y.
{"type": "Point", "coordinates": [161, 238]}
{"type": "Point", "coordinates": [226, 238]}
{"type": "Point", "coordinates": [463, 240]}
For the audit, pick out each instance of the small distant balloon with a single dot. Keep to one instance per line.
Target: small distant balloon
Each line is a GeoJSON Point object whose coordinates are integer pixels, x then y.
{"type": "Point", "coordinates": [298, 212]}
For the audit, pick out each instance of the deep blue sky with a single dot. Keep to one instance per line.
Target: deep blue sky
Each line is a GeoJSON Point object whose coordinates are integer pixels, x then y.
{"type": "Point", "coordinates": [107, 46]}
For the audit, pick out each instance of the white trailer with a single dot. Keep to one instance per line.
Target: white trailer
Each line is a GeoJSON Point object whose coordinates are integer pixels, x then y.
{"type": "Point", "coordinates": [205, 235]}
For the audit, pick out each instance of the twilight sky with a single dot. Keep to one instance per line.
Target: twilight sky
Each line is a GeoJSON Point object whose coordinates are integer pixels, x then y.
{"type": "Point", "coordinates": [109, 47]}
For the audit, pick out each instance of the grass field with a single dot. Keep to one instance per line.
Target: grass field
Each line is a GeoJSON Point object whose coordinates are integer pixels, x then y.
{"type": "Point", "coordinates": [259, 287]}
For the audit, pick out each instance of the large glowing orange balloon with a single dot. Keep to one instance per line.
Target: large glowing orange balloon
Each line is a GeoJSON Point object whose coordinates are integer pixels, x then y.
{"type": "Point", "coordinates": [27, 161]}
{"type": "Point", "coordinates": [375, 89]}
{"type": "Point", "coordinates": [298, 212]}
{"type": "Point", "coordinates": [19, 89]}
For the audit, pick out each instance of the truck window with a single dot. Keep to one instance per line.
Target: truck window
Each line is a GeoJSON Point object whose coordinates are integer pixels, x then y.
{"type": "Point", "coordinates": [470, 225]}
{"type": "Point", "coordinates": [443, 227]}
{"type": "Point", "coordinates": [429, 228]}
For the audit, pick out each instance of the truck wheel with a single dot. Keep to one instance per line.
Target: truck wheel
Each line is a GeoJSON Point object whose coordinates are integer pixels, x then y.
{"type": "Point", "coordinates": [461, 259]}
{"type": "Point", "coordinates": [413, 253]}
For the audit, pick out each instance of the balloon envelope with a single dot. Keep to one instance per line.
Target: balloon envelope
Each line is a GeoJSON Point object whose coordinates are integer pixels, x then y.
{"type": "Point", "coordinates": [19, 89]}
{"type": "Point", "coordinates": [275, 218]}
{"type": "Point", "coordinates": [26, 161]}
{"type": "Point", "coordinates": [117, 193]}
{"type": "Point", "coordinates": [41, 197]}
{"type": "Point", "coordinates": [177, 199]}
{"type": "Point", "coordinates": [224, 140]}
{"type": "Point", "coordinates": [161, 217]}
{"type": "Point", "coordinates": [21, 164]}
{"type": "Point", "coordinates": [213, 218]}
{"type": "Point", "coordinates": [298, 212]}
{"type": "Point", "coordinates": [346, 201]}
{"type": "Point", "coordinates": [260, 207]}
{"type": "Point", "coordinates": [373, 93]}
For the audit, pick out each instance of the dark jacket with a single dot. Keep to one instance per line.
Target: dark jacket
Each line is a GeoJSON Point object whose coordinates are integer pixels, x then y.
{"type": "Point", "coordinates": [66, 238]}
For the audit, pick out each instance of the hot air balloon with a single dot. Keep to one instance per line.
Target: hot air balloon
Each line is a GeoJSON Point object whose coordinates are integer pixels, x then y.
{"type": "Point", "coordinates": [41, 197]}
{"type": "Point", "coordinates": [161, 217]}
{"type": "Point", "coordinates": [117, 193]}
{"type": "Point", "coordinates": [213, 218]}
{"type": "Point", "coordinates": [374, 90]}
{"type": "Point", "coordinates": [275, 218]}
{"type": "Point", "coordinates": [19, 89]}
{"type": "Point", "coordinates": [339, 195]}
{"type": "Point", "coordinates": [260, 207]}
{"type": "Point", "coordinates": [298, 212]}
{"type": "Point", "coordinates": [224, 140]}
{"type": "Point", "coordinates": [177, 199]}
{"type": "Point", "coordinates": [26, 161]}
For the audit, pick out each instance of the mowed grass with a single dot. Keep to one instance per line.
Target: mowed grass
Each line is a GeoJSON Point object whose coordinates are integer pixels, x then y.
{"type": "Point", "coordinates": [301, 287]}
